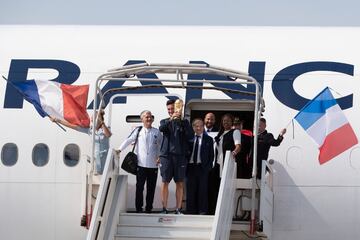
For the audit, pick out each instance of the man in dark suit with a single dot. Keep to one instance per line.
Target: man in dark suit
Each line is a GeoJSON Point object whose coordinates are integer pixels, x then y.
{"type": "Point", "coordinates": [200, 162]}
{"type": "Point", "coordinates": [209, 122]}
{"type": "Point", "coordinates": [265, 141]}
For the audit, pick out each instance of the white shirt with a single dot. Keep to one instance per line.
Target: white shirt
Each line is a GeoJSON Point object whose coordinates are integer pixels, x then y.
{"type": "Point", "coordinates": [220, 156]}
{"type": "Point", "coordinates": [198, 152]}
{"type": "Point", "coordinates": [147, 147]}
{"type": "Point", "coordinates": [208, 129]}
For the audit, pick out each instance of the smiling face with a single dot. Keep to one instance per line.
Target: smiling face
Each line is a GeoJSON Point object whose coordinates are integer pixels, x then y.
{"type": "Point", "coordinates": [147, 119]}
{"type": "Point", "coordinates": [170, 109]}
{"type": "Point", "coordinates": [227, 122]}
{"type": "Point", "coordinates": [198, 126]}
{"type": "Point", "coordinates": [209, 120]}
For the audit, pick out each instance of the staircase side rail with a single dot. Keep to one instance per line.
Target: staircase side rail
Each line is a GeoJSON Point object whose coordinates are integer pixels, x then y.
{"type": "Point", "coordinates": [225, 202]}
{"type": "Point", "coordinates": [268, 172]}
{"type": "Point", "coordinates": [105, 192]}
{"type": "Point", "coordinates": [266, 211]}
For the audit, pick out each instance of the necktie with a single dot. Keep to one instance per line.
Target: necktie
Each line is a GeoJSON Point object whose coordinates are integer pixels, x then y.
{"type": "Point", "coordinates": [196, 149]}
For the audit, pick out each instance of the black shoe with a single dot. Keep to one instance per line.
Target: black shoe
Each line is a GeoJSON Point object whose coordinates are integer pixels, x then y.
{"type": "Point", "coordinates": [178, 211]}
{"type": "Point", "coordinates": [139, 211]}
{"type": "Point", "coordinates": [83, 221]}
{"type": "Point", "coordinates": [164, 211]}
{"type": "Point", "coordinates": [148, 211]}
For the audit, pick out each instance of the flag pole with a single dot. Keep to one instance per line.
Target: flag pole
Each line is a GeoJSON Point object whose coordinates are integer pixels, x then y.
{"type": "Point", "coordinates": [57, 124]}
{"type": "Point", "coordinates": [60, 126]}
{"type": "Point", "coordinates": [23, 95]}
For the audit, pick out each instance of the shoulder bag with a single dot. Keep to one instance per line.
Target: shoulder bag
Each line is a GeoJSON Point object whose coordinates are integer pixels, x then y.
{"type": "Point", "coordinates": [130, 161]}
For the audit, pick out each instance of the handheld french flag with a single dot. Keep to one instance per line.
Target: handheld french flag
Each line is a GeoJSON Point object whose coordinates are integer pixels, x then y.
{"type": "Point", "coordinates": [58, 100]}
{"type": "Point", "coordinates": [325, 122]}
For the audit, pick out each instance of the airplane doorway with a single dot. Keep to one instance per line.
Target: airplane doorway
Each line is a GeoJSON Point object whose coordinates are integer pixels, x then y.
{"type": "Point", "coordinates": [246, 116]}
{"type": "Point", "coordinates": [242, 109]}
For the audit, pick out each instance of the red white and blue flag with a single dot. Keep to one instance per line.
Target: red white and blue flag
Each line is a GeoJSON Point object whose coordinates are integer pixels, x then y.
{"type": "Point", "coordinates": [325, 122]}
{"type": "Point", "coordinates": [49, 98]}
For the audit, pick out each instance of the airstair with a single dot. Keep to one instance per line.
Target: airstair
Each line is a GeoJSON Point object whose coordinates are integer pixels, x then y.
{"type": "Point", "coordinates": [109, 216]}
{"type": "Point", "coordinates": [163, 226]}
{"type": "Point", "coordinates": [111, 220]}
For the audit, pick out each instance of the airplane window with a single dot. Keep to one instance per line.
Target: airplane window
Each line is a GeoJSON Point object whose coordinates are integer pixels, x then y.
{"type": "Point", "coordinates": [71, 155]}
{"type": "Point", "coordinates": [135, 118]}
{"type": "Point", "coordinates": [9, 154]}
{"type": "Point", "coordinates": [40, 155]}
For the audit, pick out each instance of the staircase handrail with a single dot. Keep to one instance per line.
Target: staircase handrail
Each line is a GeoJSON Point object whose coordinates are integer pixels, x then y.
{"type": "Point", "coordinates": [225, 202]}
{"type": "Point", "coordinates": [99, 214]}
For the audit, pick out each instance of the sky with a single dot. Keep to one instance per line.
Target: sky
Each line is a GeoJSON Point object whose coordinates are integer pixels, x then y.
{"type": "Point", "coordinates": [182, 12]}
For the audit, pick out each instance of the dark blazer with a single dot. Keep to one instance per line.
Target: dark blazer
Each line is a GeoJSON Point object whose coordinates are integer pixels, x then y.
{"type": "Point", "coordinates": [206, 151]}
{"type": "Point", "coordinates": [176, 135]}
{"type": "Point", "coordinates": [265, 141]}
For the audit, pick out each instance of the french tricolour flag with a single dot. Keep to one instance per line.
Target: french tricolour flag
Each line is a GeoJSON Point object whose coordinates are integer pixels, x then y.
{"type": "Point", "coordinates": [58, 100]}
{"type": "Point", "coordinates": [325, 122]}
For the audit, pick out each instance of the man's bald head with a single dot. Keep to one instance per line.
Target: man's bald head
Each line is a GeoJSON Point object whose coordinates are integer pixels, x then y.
{"type": "Point", "coordinates": [209, 120]}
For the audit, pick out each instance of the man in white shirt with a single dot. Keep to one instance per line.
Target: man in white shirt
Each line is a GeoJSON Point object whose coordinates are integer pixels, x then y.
{"type": "Point", "coordinates": [147, 150]}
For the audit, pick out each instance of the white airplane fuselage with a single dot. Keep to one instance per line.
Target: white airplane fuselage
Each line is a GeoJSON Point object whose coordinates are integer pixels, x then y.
{"type": "Point", "coordinates": [292, 64]}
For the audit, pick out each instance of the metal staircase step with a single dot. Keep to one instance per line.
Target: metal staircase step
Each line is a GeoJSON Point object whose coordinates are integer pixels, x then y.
{"type": "Point", "coordinates": [123, 237]}
{"type": "Point", "coordinates": [166, 219]}
{"type": "Point", "coordinates": [240, 225]}
{"type": "Point", "coordinates": [163, 226]}
{"type": "Point", "coordinates": [164, 231]}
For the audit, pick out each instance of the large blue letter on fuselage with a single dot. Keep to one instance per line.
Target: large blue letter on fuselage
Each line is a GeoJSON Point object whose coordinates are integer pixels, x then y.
{"type": "Point", "coordinates": [68, 73]}
{"type": "Point", "coordinates": [283, 82]}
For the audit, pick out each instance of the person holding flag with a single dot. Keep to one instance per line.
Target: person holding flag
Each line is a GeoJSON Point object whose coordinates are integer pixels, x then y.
{"type": "Point", "coordinates": [66, 104]}
{"type": "Point", "coordinates": [102, 135]}
{"type": "Point", "coordinates": [55, 99]}
{"type": "Point", "coordinates": [265, 141]}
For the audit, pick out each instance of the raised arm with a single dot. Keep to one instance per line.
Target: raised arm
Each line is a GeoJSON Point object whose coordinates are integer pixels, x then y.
{"type": "Point", "coordinates": [276, 142]}
{"type": "Point", "coordinates": [64, 123]}
{"type": "Point", "coordinates": [106, 130]}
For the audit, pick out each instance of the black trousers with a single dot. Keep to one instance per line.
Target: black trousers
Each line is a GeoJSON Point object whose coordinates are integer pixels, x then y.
{"type": "Point", "coordinates": [148, 175]}
{"type": "Point", "coordinates": [196, 189]}
{"type": "Point", "coordinates": [244, 168]}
